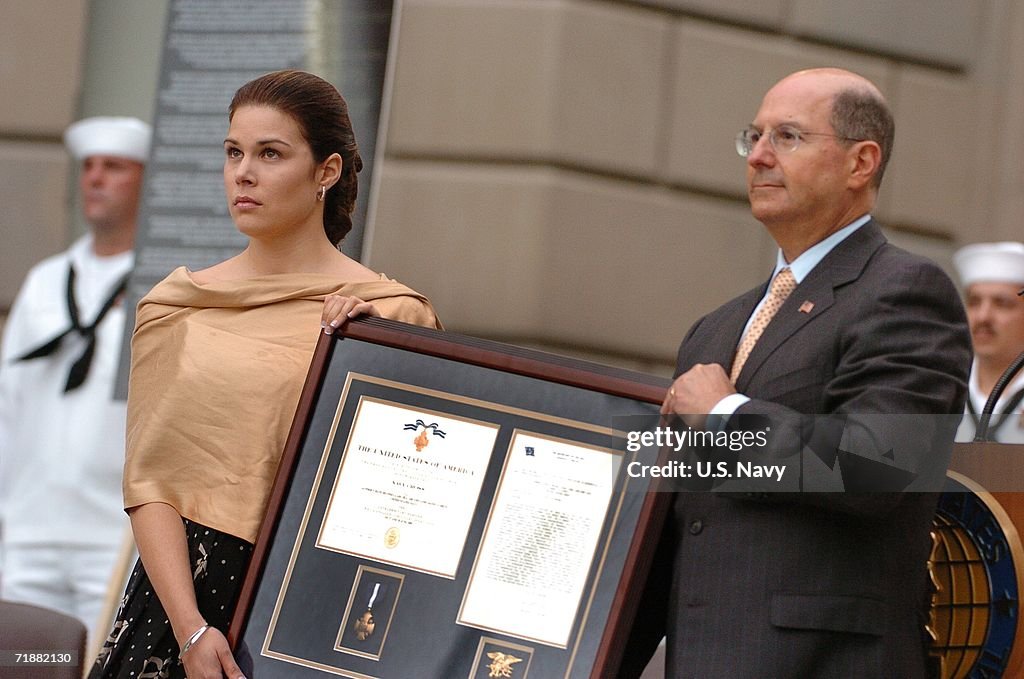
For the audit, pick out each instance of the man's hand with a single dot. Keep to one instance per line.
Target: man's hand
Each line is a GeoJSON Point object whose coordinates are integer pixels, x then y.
{"type": "Point", "coordinates": [695, 393]}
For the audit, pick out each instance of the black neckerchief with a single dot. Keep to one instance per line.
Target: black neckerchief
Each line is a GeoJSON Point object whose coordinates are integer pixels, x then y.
{"type": "Point", "coordinates": [994, 425]}
{"type": "Point", "coordinates": [80, 368]}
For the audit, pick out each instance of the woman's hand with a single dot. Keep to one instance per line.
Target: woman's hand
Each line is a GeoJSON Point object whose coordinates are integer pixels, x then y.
{"type": "Point", "coordinates": [210, 658]}
{"type": "Point", "coordinates": [160, 537]}
{"type": "Point", "coordinates": [338, 309]}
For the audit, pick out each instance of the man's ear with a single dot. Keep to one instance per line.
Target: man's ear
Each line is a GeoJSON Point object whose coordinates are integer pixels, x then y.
{"type": "Point", "coordinates": [865, 159]}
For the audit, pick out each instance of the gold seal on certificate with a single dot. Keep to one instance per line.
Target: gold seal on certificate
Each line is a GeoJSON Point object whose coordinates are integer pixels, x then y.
{"type": "Point", "coordinates": [391, 537]}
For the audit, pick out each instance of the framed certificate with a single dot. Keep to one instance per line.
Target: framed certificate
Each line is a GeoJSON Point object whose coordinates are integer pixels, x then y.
{"type": "Point", "coordinates": [452, 507]}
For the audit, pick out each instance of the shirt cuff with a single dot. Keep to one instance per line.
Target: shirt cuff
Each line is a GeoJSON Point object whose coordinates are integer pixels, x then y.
{"type": "Point", "coordinates": [723, 410]}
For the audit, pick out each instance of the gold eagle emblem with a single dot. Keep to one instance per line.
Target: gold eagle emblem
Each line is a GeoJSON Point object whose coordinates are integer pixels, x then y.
{"type": "Point", "coordinates": [501, 664]}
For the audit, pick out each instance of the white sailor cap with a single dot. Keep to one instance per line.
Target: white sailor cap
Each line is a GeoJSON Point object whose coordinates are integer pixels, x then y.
{"type": "Point", "coordinates": [109, 136]}
{"type": "Point", "coordinates": [991, 263]}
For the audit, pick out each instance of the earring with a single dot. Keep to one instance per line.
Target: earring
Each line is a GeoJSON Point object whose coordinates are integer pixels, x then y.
{"type": "Point", "coordinates": [321, 193]}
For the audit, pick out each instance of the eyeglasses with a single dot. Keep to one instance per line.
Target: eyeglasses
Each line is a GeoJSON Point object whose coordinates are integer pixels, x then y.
{"type": "Point", "coordinates": [784, 139]}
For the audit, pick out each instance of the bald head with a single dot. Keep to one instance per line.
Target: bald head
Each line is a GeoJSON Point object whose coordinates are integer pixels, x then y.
{"type": "Point", "coordinates": [858, 109]}
{"type": "Point", "coordinates": [817, 157]}
{"type": "Point", "coordinates": [833, 79]}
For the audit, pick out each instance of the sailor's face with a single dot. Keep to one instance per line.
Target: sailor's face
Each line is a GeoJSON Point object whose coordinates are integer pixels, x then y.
{"type": "Point", "coordinates": [996, 316]}
{"type": "Point", "coordinates": [110, 188]}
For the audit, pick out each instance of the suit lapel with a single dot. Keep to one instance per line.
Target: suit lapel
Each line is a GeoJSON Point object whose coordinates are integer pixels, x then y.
{"type": "Point", "coordinates": [813, 296]}
{"type": "Point", "coordinates": [721, 348]}
{"type": "Point", "coordinates": [714, 338]}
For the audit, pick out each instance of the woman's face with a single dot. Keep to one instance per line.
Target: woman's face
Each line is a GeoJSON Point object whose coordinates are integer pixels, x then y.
{"type": "Point", "coordinates": [270, 177]}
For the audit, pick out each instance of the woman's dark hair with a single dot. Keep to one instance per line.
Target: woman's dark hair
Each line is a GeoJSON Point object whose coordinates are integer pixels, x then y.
{"type": "Point", "coordinates": [322, 115]}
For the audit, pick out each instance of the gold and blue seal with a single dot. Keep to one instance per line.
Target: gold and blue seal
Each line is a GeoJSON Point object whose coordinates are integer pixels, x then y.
{"type": "Point", "coordinates": [976, 567]}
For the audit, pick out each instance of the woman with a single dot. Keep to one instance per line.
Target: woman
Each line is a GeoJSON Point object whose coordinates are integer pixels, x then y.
{"type": "Point", "coordinates": [218, 360]}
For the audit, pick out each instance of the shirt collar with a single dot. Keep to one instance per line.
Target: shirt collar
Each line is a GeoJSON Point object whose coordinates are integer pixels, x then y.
{"type": "Point", "coordinates": [805, 263]}
{"type": "Point", "coordinates": [979, 399]}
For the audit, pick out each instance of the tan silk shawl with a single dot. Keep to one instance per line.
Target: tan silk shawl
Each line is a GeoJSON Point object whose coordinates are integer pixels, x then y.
{"type": "Point", "coordinates": [216, 373]}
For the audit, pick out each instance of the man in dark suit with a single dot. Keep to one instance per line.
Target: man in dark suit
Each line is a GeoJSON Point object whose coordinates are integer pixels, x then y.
{"type": "Point", "coordinates": [808, 585]}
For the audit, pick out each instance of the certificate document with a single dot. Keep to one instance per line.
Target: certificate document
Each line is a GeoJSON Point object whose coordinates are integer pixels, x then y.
{"type": "Point", "coordinates": [407, 486]}
{"type": "Point", "coordinates": [541, 536]}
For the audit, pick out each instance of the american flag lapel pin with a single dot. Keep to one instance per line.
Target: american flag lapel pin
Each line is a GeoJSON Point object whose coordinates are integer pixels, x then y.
{"type": "Point", "coordinates": [806, 307]}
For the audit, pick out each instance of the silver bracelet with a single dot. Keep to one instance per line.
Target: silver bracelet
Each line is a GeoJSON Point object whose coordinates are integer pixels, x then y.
{"type": "Point", "coordinates": [193, 639]}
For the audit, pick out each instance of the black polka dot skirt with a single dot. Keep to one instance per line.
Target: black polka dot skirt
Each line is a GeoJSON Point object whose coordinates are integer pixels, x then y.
{"type": "Point", "coordinates": [141, 643]}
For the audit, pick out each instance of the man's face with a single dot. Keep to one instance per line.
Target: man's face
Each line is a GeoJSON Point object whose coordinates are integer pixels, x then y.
{"type": "Point", "coordinates": [996, 317]}
{"type": "Point", "coordinates": [806, 185]}
{"type": "Point", "coordinates": [110, 188]}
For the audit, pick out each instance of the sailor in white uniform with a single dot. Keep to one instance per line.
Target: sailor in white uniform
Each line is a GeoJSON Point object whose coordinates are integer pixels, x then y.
{"type": "Point", "coordinates": [992, 275]}
{"type": "Point", "coordinates": [61, 431]}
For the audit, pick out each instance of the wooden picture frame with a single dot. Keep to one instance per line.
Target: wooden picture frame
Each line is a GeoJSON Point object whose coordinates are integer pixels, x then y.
{"type": "Point", "coordinates": [424, 462]}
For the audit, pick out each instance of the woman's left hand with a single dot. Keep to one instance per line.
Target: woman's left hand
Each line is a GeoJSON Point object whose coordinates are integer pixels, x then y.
{"type": "Point", "coordinates": [338, 309]}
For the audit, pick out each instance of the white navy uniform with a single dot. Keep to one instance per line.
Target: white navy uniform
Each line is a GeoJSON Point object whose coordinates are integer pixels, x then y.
{"type": "Point", "coordinates": [1003, 427]}
{"type": "Point", "coordinates": [1001, 262]}
{"type": "Point", "coordinates": [62, 453]}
